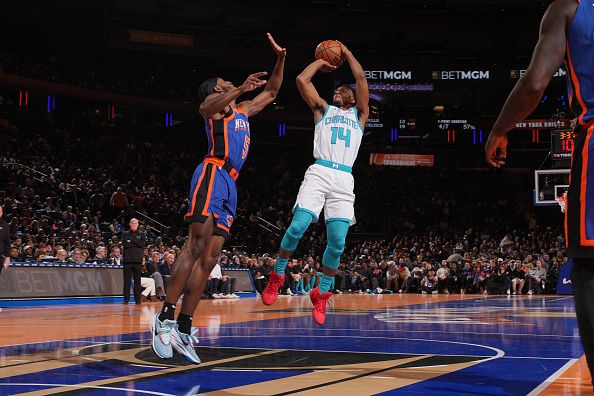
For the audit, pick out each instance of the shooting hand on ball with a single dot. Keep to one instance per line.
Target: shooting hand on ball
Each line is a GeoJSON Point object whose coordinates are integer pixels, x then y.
{"type": "Point", "coordinates": [326, 67]}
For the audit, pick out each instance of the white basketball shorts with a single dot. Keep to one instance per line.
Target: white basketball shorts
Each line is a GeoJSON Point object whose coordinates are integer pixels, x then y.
{"type": "Point", "coordinates": [330, 189]}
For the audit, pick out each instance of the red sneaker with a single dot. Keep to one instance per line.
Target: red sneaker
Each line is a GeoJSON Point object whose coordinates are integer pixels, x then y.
{"type": "Point", "coordinates": [270, 293]}
{"type": "Point", "coordinates": [319, 301]}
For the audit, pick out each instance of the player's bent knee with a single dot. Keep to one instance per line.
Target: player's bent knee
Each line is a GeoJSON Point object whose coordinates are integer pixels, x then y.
{"type": "Point", "coordinates": [337, 231]}
{"type": "Point", "coordinates": [336, 242]}
{"type": "Point", "coordinates": [299, 224]}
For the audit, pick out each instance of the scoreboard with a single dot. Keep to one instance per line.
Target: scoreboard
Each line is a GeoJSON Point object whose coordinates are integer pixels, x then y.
{"type": "Point", "coordinates": [562, 142]}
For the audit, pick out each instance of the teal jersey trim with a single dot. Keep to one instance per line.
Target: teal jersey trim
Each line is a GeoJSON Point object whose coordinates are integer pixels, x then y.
{"type": "Point", "coordinates": [324, 116]}
{"type": "Point", "coordinates": [357, 118]}
{"type": "Point", "coordinates": [315, 216]}
{"type": "Point", "coordinates": [339, 219]}
{"type": "Point", "coordinates": [334, 165]}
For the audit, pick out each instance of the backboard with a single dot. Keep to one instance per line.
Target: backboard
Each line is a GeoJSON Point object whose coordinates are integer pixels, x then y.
{"type": "Point", "coordinates": [550, 184]}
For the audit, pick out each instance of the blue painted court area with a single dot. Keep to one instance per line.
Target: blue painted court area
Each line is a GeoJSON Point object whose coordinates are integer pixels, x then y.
{"type": "Point", "coordinates": [494, 346]}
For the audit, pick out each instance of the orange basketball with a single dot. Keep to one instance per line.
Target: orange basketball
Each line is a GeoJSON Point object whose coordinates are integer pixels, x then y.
{"type": "Point", "coordinates": [331, 52]}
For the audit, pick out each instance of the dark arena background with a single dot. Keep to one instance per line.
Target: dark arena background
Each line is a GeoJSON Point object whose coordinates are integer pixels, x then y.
{"type": "Point", "coordinates": [455, 279]}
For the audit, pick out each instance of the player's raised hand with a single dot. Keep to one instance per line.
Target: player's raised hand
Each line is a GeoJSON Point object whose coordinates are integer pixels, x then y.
{"type": "Point", "coordinates": [496, 150]}
{"type": "Point", "coordinates": [326, 67]}
{"type": "Point", "coordinates": [343, 49]}
{"type": "Point", "coordinates": [253, 81]}
{"type": "Point", "coordinates": [277, 48]}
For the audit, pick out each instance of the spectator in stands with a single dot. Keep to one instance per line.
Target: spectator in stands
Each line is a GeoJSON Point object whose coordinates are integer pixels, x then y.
{"type": "Point", "coordinates": [392, 276]}
{"type": "Point", "coordinates": [147, 283]}
{"type": "Point", "coordinates": [404, 274]}
{"type": "Point", "coordinates": [61, 256]}
{"type": "Point", "coordinates": [39, 255]}
{"type": "Point", "coordinates": [219, 285]}
{"type": "Point", "coordinates": [444, 278]}
{"type": "Point", "coordinates": [518, 278]}
{"type": "Point", "coordinates": [291, 281]}
{"type": "Point", "coordinates": [228, 287]}
{"type": "Point", "coordinates": [166, 267]}
{"type": "Point", "coordinates": [115, 227]}
{"type": "Point", "coordinates": [152, 268]}
{"type": "Point", "coordinates": [497, 284]}
{"type": "Point", "coordinates": [116, 256]}
{"type": "Point", "coordinates": [414, 283]}
{"type": "Point", "coordinates": [553, 277]}
{"type": "Point", "coordinates": [14, 255]}
{"type": "Point", "coordinates": [466, 278]}
{"type": "Point", "coordinates": [429, 282]}
{"type": "Point", "coordinates": [76, 257]}
{"type": "Point", "coordinates": [339, 278]}
{"type": "Point", "coordinates": [100, 255]}
{"type": "Point", "coordinates": [377, 279]}
{"type": "Point", "coordinates": [118, 200]}
{"type": "Point", "coordinates": [537, 277]}
{"type": "Point", "coordinates": [455, 277]}
{"type": "Point", "coordinates": [259, 271]}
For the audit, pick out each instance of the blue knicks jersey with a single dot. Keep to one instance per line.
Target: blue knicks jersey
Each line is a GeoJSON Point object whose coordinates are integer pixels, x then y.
{"type": "Point", "coordinates": [229, 138]}
{"type": "Point", "coordinates": [579, 62]}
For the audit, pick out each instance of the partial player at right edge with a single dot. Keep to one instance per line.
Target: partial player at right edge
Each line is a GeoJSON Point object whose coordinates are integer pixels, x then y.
{"type": "Point", "coordinates": [566, 35]}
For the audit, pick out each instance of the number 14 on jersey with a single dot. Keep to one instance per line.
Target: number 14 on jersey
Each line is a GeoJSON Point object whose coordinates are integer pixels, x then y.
{"type": "Point", "coordinates": [341, 134]}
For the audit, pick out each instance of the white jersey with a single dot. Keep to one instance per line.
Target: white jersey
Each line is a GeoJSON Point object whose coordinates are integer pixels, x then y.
{"type": "Point", "coordinates": [337, 136]}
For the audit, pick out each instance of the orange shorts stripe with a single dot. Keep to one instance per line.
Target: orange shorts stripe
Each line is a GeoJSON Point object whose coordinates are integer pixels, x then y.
{"type": "Point", "coordinates": [205, 211]}
{"type": "Point", "coordinates": [584, 241]}
{"type": "Point", "coordinates": [577, 89]}
{"type": "Point", "coordinates": [222, 227]}
{"type": "Point", "coordinates": [193, 206]}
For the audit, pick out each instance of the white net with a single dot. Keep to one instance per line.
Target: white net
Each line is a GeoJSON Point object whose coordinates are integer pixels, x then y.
{"type": "Point", "coordinates": [562, 201]}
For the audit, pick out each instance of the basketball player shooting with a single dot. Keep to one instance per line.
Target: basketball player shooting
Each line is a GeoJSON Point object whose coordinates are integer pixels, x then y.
{"type": "Point", "coordinates": [328, 183]}
{"type": "Point", "coordinates": [213, 200]}
{"type": "Point", "coordinates": [566, 35]}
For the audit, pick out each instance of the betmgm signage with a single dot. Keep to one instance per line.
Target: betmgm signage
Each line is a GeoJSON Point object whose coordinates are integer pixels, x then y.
{"type": "Point", "coordinates": [388, 74]}
{"type": "Point", "coordinates": [519, 73]}
{"type": "Point", "coordinates": [461, 75]}
{"type": "Point", "coordinates": [22, 281]}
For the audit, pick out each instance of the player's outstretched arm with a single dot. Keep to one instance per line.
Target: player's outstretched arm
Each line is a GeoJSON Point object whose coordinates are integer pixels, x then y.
{"type": "Point", "coordinates": [546, 60]}
{"type": "Point", "coordinates": [308, 91]}
{"type": "Point", "coordinates": [269, 93]}
{"type": "Point", "coordinates": [218, 101]}
{"type": "Point", "coordinates": [362, 89]}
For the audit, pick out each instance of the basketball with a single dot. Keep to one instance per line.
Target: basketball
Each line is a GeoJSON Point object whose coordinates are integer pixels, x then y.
{"type": "Point", "coordinates": [331, 52]}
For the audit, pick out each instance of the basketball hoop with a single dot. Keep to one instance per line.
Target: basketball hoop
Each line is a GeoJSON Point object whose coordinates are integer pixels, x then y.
{"type": "Point", "coordinates": [562, 201]}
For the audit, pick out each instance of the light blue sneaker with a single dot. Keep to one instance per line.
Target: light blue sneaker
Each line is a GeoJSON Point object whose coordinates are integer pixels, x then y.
{"type": "Point", "coordinates": [184, 344]}
{"type": "Point", "coordinates": [161, 337]}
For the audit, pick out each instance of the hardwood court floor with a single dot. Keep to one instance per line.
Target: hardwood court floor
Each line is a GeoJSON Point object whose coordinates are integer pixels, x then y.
{"type": "Point", "coordinates": [387, 344]}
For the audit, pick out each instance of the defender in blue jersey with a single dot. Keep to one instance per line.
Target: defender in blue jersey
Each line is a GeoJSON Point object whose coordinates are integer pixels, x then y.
{"type": "Point", "coordinates": [566, 36]}
{"type": "Point", "coordinates": [213, 200]}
